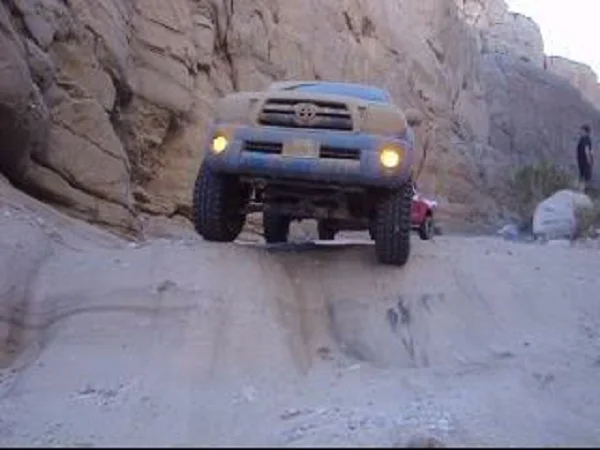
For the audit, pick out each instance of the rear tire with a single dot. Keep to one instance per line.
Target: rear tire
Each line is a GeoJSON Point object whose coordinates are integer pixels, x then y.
{"type": "Point", "coordinates": [426, 229]}
{"type": "Point", "coordinates": [218, 206]}
{"type": "Point", "coordinates": [393, 227]}
{"type": "Point", "coordinates": [276, 228]}
{"type": "Point", "coordinates": [326, 230]}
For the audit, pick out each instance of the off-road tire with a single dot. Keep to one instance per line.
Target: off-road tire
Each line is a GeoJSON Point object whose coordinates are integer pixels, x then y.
{"type": "Point", "coordinates": [371, 231]}
{"type": "Point", "coordinates": [426, 229]}
{"type": "Point", "coordinates": [218, 203]}
{"type": "Point", "coordinates": [393, 227]}
{"type": "Point", "coordinates": [326, 230]}
{"type": "Point", "coordinates": [276, 228]}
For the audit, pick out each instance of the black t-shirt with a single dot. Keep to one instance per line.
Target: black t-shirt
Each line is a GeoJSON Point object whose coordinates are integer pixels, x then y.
{"type": "Point", "coordinates": [584, 143]}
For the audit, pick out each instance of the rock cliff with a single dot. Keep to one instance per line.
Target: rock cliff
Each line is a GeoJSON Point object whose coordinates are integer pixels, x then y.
{"type": "Point", "coordinates": [503, 32]}
{"type": "Point", "coordinates": [103, 103]}
{"type": "Point", "coordinates": [581, 76]}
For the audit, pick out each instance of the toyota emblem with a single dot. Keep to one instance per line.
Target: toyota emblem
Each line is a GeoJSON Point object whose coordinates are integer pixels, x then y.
{"type": "Point", "coordinates": [305, 113]}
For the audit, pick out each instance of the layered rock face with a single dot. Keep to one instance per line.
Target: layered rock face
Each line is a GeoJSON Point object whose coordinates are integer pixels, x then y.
{"type": "Point", "coordinates": [104, 103]}
{"type": "Point", "coordinates": [503, 32]}
{"type": "Point", "coordinates": [534, 113]}
{"type": "Point", "coordinates": [581, 76]}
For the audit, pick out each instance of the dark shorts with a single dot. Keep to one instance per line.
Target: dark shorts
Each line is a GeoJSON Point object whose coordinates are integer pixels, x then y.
{"type": "Point", "coordinates": [585, 170]}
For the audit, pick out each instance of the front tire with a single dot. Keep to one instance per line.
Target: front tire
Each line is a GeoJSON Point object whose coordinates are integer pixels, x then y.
{"type": "Point", "coordinates": [276, 228]}
{"type": "Point", "coordinates": [218, 206]}
{"type": "Point", "coordinates": [371, 231]}
{"type": "Point", "coordinates": [393, 227]}
{"type": "Point", "coordinates": [426, 229]}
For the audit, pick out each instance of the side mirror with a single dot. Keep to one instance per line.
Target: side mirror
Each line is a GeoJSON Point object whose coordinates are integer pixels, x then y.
{"type": "Point", "coordinates": [414, 118]}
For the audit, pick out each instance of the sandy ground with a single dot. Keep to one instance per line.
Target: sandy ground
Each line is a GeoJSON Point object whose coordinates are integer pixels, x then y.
{"type": "Point", "coordinates": [178, 342]}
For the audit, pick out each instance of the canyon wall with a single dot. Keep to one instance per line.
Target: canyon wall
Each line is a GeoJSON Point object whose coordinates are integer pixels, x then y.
{"type": "Point", "coordinates": [104, 103]}
{"type": "Point", "coordinates": [579, 75]}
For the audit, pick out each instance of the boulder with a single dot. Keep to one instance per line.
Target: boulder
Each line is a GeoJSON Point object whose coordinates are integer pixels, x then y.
{"type": "Point", "coordinates": [556, 216]}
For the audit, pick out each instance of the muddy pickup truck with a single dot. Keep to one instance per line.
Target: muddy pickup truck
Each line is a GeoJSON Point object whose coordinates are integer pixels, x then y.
{"type": "Point", "coordinates": [339, 153]}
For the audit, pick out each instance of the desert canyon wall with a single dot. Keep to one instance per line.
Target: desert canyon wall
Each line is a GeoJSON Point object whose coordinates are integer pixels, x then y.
{"type": "Point", "coordinates": [103, 103]}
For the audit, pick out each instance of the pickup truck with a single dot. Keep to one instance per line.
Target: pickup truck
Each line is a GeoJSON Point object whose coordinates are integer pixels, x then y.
{"type": "Point", "coordinates": [340, 153]}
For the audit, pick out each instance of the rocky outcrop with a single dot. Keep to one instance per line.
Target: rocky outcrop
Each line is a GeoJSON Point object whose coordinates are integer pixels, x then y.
{"type": "Point", "coordinates": [503, 32]}
{"type": "Point", "coordinates": [534, 115]}
{"type": "Point", "coordinates": [75, 159]}
{"type": "Point", "coordinates": [23, 113]}
{"type": "Point", "coordinates": [122, 91]}
{"type": "Point", "coordinates": [581, 76]}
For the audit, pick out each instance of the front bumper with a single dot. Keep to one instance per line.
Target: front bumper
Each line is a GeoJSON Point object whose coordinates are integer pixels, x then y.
{"type": "Point", "coordinates": [360, 164]}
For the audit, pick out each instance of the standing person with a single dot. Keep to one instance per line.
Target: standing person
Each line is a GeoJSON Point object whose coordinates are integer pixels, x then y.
{"type": "Point", "coordinates": [585, 157]}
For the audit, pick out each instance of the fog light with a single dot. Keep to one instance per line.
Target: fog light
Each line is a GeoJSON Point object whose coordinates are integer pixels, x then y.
{"type": "Point", "coordinates": [390, 158]}
{"type": "Point", "coordinates": [219, 144]}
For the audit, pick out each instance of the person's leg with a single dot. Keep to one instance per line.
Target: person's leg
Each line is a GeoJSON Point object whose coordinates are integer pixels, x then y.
{"type": "Point", "coordinates": [586, 175]}
{"type": "Point", "coordinates": [583, 174]}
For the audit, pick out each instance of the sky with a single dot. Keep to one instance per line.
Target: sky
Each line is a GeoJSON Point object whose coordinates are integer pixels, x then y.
{"type": "Point", "coordinates": [570, 28]}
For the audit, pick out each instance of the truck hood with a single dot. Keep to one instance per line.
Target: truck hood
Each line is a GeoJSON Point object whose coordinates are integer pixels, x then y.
{"type": "Point", "coordinates": [371, 117]}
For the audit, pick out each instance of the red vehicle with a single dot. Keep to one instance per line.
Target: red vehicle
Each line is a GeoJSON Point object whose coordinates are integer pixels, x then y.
{"type": "Point", "coordinates": [422, 212]}
{"type": "Point", "coordinates": [421, 215]}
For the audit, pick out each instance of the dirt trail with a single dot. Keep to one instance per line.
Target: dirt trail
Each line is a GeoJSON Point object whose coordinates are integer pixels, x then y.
{"type": "Point", "coordinates": [180, 342]}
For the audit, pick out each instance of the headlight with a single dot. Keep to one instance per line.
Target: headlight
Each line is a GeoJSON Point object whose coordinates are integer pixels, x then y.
{"type": "Point", "coordinates": [219, 144]}
{"type": "Point", "coordinates": [390, 157]}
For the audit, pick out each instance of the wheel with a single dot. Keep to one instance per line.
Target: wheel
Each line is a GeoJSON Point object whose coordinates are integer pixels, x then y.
{"type": "Point", "coordinates": [276, 228]}
{"type": "Point", "coordinates": [372, 231]}
{"type": "Point", "coordinates": [218, 206]}
{"type": "Point", "coordinates": [326, 230]}
{"type": "Point", "coordinates": [393, 227]}
{"type": "Point", "coordinates": [426, 229]}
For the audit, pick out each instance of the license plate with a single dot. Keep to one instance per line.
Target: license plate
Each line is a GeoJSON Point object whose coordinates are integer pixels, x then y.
{"type": "Point", "coordinates": [301, 148]}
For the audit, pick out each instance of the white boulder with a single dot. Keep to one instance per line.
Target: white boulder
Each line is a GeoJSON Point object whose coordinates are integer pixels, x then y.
{"type": "Point", "coordinates": [556, 217]}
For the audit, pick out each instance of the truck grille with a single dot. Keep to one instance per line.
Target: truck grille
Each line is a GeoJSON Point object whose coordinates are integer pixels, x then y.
{"type": "Point", "coordinates": [311, 114]}
{"type": "Point", "coordinates": [325, 152]}
{"type": "Point", "coordinates": [339, 153]}
{"type": "Point", "coordinates": [270, 148]}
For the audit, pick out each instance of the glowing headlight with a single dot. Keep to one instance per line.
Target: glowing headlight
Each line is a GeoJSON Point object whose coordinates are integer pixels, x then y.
{"type": "Point", "coordinates": [219, 144]}
{"type": "Point", "coordinates": [390, 158]}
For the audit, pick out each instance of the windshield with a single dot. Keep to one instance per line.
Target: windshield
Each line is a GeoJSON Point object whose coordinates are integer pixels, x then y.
{"type": "Point", "coordinates": [368, 93]}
